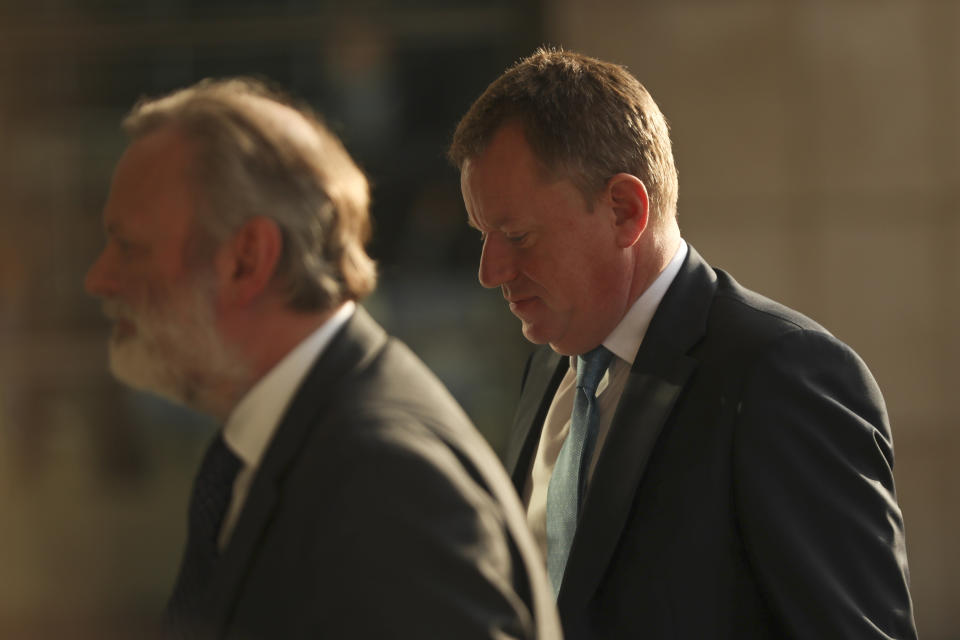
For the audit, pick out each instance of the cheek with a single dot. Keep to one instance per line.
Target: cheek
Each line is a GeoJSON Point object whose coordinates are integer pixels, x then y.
{"type": "Point", "coordinates": [135, 285]}
{"type": "Point", "coordinates": [562, 289]}
{"type": "Point", "coordinates": [593, 288]}
{"type": "Point", "coordinates": [545, 270]}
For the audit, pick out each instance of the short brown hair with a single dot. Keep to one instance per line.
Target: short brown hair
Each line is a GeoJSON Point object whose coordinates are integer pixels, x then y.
{"type": "Point", "coordinates": [584, 119]}
{"type": "Point", "coordinates": [242, 167]}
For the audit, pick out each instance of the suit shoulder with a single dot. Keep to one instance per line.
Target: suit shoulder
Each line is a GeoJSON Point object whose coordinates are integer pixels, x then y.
{"type": "Point", "coordinates": [396, 380]}
{"type": "Point", "coordinates": [745, 329]}
{"type": "Point", "coordinates": [750, 335]}
{"type": "Point", "coordinates": [751, 318]}
{"type": "Point", "coordinates": [394, 402]}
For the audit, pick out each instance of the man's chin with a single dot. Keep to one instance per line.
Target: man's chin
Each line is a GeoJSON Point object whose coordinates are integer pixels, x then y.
{"type": "Point", "coordinates": [537, 335]}
{"type": "Point", "coordinates": [135, 368]}
{"type": "Point", "coordinates": [134, 379]}
{"type": "Point", "coordinates": [164, 374]}
{"type": "Point", "coordinates": [533, 333]}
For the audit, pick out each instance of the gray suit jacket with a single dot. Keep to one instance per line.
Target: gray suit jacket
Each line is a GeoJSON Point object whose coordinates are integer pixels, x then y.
{"type": "Point", "coordinates": [745, 489]}
{"type": "Point", "coordinates": [378, 512]}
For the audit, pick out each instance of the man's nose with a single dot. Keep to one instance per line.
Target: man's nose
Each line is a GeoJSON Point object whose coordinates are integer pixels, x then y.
{"type": "Point", "coordinates": [497, 263]}
{"type": "Point", "coordinates": [99, 282]}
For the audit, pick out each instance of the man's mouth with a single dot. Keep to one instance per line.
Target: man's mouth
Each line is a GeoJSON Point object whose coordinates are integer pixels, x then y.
{"type": "Point", "coordinates": [123, 328]}
{"type": "Point", "coordinates": [519, 305]}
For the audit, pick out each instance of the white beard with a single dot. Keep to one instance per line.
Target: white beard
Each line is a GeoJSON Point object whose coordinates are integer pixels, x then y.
{"type": "Point", "coordinates": [175, 350]}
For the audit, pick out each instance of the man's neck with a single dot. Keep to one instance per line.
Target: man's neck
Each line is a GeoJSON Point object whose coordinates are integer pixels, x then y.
{"type": "Point", "coordinates": [653, 258]}
{"type": "Point", "coordinates": [261, 342]}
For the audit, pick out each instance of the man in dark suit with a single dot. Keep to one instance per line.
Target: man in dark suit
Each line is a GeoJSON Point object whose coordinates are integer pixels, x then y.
{"type": "Point", "coordinates": [347, 495]}
{"type": "Point", "coordinates": [696, 461]}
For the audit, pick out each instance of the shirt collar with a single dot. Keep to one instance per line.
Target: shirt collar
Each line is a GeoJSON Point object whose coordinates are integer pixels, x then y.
{"type": "Point", "coordinates": [624, 341]}
{"type": "Point", "coordinates": [255, 418]}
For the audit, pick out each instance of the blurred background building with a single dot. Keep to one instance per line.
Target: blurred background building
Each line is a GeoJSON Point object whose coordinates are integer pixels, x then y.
{"type": "Point", "coordinates": [818, 144]}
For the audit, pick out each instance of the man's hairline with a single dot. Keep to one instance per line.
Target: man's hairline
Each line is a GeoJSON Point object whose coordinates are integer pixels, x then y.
{"type": "Point", "coordinates": [547, 174]}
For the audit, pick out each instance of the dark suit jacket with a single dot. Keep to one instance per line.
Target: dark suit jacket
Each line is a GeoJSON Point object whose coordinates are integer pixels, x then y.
{"type": "Point", "coordinates": [745, 489]}
{"type": "Point", "coordinates": [378, 512]}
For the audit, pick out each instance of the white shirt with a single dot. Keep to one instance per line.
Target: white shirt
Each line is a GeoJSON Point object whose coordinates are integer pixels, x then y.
{"type": "Point", "coordinates": [624, 342]}
{"type": "Point", "coordinates": [251, 425]}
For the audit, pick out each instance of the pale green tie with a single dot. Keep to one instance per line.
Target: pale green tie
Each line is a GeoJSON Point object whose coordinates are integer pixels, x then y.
{"type": "Point", "coordinates": [568, 482]}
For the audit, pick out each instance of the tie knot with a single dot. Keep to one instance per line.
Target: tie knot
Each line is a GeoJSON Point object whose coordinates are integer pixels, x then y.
{"type": "Point", "coordinates": [591, 367]}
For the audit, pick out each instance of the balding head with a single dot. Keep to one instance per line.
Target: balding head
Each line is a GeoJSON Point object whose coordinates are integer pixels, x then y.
{"type": "Point", "coordinates": [257, 155]}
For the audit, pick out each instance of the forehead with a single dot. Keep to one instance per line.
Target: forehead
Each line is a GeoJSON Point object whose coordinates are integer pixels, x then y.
{"type": "Point", "coordinates": [506, 182]}
{"type": "Point", "coordinates": [508, 148]}
{"type": "Point", "coordinates": [151, 184]}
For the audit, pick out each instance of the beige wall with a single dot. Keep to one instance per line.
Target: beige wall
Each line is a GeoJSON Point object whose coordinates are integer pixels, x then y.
{"type": "Point", "coordinates": [817, 144]}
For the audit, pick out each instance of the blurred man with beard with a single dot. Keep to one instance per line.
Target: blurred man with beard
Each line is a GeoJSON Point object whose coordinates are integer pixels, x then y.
{"type": "Point", "coordinates": [346, 496]}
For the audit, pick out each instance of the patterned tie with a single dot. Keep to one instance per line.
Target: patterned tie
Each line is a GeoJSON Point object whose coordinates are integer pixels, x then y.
{"type": "Point", "coordinates": [568, 482]}
{"type": "Point", "coordinates": [212, 490]}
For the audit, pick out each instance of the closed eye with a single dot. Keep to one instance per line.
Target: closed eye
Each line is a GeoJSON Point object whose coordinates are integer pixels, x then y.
{"type": "Point", "coordinates": [123, 245]}
{"type": "Point", "coordinates": [517, 238]}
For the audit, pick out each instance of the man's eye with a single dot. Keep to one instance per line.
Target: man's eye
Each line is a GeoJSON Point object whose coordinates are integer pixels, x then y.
{"type": "Point", "coordinates": [125, 247]}
{"type": "Point", "coordinates": [517, 238]}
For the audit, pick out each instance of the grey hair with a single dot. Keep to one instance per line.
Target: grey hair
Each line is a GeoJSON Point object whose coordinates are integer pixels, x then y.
{"type": "Point", "coordinates": [244, 165]}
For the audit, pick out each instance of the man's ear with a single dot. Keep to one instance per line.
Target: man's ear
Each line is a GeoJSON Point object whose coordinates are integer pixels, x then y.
{"type": "Point", "coordinates": [631, 207]}
{"type": "Point", "coordinates": [248, 261]}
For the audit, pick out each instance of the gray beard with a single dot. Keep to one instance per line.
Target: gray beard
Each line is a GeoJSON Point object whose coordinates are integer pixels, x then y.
{"type": "Point", "coordinates": [176, 351]}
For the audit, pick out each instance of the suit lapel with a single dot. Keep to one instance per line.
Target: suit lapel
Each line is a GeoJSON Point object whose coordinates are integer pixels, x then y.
{"type": "Point", "coordinates": [350, 348]}
{"type": "Point", "coordinates": [660, 371]}
{"type": "Point", "coordinates": [644, 407]}
{"type": "Point", "coordinates": [544, 371]}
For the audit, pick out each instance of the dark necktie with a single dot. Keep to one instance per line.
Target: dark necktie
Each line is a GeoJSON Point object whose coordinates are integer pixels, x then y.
{"type": "Point", "coordinates": [569, 479]}
{"type": "Point", "coordinates": [212, 490]}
